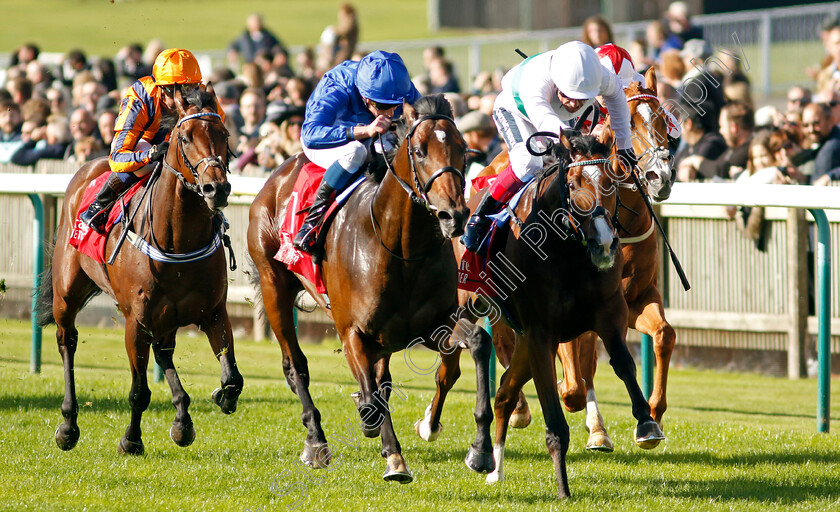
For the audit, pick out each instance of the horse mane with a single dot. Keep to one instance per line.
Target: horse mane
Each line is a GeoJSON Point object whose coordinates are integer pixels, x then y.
{"type": "Point", "coordinates": [200, 98]}
{"type": "Point", "coordinates": [589, 145]}
{"type": "Point", "coordinates": [425, 105]}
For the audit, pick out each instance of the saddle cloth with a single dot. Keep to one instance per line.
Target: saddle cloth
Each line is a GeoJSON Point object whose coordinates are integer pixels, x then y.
{"type": "Point", "coordinates": [86, 240]}
{"type": "Point", "coordinates": [303, 195]}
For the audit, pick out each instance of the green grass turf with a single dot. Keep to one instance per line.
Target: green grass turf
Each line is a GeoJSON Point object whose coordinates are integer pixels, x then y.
{"type": "Point", "coordinates": [735, 441]}
{"type": "Point", "coordinates": [101, 28]}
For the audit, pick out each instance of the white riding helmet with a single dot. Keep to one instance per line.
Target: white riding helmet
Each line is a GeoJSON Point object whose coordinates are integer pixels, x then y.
{"type": "Point", "coordinates": [576, 70]}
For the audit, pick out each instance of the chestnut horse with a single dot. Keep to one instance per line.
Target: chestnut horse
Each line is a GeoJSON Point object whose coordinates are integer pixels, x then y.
{"type": "Point", "coordinates": [182, 214]}
{"type": "Point", "coordinates": [641, 268]}
{"type": "Point", "coordinates": [563, 285]}
{"type": "Point", "coordinates": [389, 273]}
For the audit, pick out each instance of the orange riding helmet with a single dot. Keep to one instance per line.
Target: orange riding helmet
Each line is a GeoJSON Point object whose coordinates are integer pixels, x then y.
{"type": "Point", "coordinates": [176, 66]}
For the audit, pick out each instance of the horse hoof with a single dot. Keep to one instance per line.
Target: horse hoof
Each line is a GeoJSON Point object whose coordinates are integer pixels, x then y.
{"type": "Point", "coordinates": [494, 477]}
{"type": "Point", "coordinates": [396, 470]}
{"type": "Point", "coordinates": [424, 430]}
{"type": "Point", "coordinates": [599, 442]}
{"type": "Point", "coordinates": [520, 419]}
{"type": "Point", "coordinates": [227, 405]}
{"type": "Point", "coordinates": [127, 447]}
{"type": "Point", "coordinates": [648, 435]}
{"type": "Point", "coordinates": [316, 456]}
{"type": "Point", "coordinates": [480, 462]}
{"type": "Point", "coordinates": [66, 436]}
{"type": "Point", "coordinates": [182, 434]}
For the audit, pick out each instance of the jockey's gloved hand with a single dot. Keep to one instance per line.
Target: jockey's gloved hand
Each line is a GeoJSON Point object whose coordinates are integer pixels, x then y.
{"type": "Point", "coordinates": [628, 157]}
{"type": "Point", "coordinates": [159, 151]}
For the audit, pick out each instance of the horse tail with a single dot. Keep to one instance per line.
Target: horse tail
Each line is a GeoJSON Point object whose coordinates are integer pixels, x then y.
{"type": "Point", "coordinates": [44, 304]}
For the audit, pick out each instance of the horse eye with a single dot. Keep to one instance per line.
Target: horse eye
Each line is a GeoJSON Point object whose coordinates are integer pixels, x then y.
{"type": "Point", "coordinates": [418, 152]}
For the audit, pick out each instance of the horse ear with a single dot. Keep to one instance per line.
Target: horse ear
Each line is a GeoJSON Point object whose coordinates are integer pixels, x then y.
{"type": "Point", "coordinates": [180, 101]}
{"type": "Point", "coordinates": [409, 112]}
{"type": "Point", "coordinates": [650, 79]}
{"type": "Point", "coordinates": [606, 138]}
{"type": "Point", "coordinates": [210, 89]}
{"type": "Point", "coordinates": [565, 141]}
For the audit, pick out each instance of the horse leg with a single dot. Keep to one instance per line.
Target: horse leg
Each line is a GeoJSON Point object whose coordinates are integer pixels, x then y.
{"type": "Point", "coordinates": [573, 386]}
{"type": "Point", "coordinates": [374, 377]}
{"type": "Point", "coordinates": [648, 316]}
{"type": "Point", "coordinates": [586, 362]}
{"type": "Point", "coordinates": [429, 427]}
{"type": "Point", "coordinates": [611, 326]}
{"type": "Point", "coordinates": [279, 303]}
{"type": "Point", "coordinates": [480, 455]}
{"type": "Point", "coordinates": [182, 431]}
{"type": "Point", "coordinates": [137, 343]}
{"type": "Point", "coordinates": [504, 339]}
{"type": "Point", "coordinates": [218, 331]}
{"type": "Point", "coordinates": [510, 387]}
{"type": "Point", "coordinates": [556, 428]}
{"type": "Point", "coordinates": [71, 288]}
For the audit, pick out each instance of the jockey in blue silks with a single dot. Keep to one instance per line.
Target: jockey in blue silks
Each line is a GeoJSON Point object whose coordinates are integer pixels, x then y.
{"type": "Point", "coordinates": [352, 103]}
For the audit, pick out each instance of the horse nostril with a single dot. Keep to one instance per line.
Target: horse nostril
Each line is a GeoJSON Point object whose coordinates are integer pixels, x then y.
{"type": "Point", "coordinates": [208, 190]}
{"type": "Point", "coordinates": [226, 188]}
{"type": "Point", "coordinates": [444, 215]}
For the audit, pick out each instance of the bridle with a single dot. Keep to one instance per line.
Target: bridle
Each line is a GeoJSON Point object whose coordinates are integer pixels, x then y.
{"type": "Point", "coordinates": [652, 153]}
{"type": "Point", "coordinates": [208, 161]}
{"type": "Point", "coordinates": [418, 193]}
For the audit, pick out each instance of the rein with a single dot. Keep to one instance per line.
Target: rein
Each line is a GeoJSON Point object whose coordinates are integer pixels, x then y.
{"type": "Point", "coordinates": [152, 249]}
{"type": "Point", "coordinates": [422, 198]}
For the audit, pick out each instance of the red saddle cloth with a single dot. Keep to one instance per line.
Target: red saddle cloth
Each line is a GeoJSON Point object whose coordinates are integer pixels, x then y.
{"type": "Point", "coordinates": [86, 240]}
{"type": "Point", "coordinates": [474, 273]}
{"type": "Point", "coordinates": [301, 199]}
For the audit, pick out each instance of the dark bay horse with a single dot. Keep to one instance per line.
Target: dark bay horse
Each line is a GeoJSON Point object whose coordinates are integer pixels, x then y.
{"type": "Point", "coordinates": [564, 285]}
{"type": "Point", "coordinates": [640, 248]}
{"type": "Point", "coordinates": [390, 274]}
{"type": "Point", "coordinates": [156, 298]}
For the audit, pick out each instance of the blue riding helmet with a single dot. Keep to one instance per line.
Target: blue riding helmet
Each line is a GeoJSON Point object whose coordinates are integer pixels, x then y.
{"type": "Point", "coordinates": [383, 78]}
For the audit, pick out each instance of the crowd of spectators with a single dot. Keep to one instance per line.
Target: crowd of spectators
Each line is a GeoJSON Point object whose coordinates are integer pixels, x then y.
{"type": "Point", "coordinates": [68, 111]}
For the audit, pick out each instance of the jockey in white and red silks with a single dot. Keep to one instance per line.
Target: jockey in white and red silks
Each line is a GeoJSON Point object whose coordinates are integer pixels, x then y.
{"type": "Point", "coordinates": [618, 59]}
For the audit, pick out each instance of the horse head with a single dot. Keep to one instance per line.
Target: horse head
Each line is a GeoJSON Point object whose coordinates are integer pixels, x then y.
{"type": "Point", "coordinates": [649, 124]}
{"type": "Point", "coordinates": [199, 151]}
{"type": "Point", "coordinates": [591, 179]}
{"type": "Point", "coordinates": [435, 155]}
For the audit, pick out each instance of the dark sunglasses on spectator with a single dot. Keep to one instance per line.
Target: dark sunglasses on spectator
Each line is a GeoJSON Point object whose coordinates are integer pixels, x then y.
{"type": "Point", "coordinates": [796, 100]}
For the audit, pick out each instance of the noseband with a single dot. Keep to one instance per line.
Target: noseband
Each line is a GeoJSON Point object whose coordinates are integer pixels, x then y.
{"type": "Point", "coordinates": [419, 193]}
{"type": "Point", "coordinates": [208, 161]}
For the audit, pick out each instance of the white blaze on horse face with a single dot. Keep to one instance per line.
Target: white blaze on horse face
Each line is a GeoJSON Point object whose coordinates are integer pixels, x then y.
{"type": "Point", "coordinates": [647, 114]}
{"type": "Point", "coordinates": [441, 136]}
{"type": "Point", "coordinates": [604, 241]}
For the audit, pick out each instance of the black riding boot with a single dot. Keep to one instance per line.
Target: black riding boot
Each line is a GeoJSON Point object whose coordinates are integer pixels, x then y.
{"type": "Point", "coordinates": [97, 213]}
{"type": "Point", "coordinates": [307, 236]}
{"type": "Point", "coordinates": [479, 223]}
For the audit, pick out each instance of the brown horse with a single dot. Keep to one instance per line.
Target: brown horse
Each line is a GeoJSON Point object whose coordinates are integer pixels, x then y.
{"type": "Point", "coordinates": [390, 275]}
{"type": "Point", "coordinates": [565, 268]}
{"type": "Point", "coordinates": [639, 279]}
{"type": "Point", "coordinates": [156, 298]}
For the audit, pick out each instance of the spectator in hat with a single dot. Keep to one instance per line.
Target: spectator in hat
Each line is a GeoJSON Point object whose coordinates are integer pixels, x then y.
{"type": "Point", "coordinates": [700, 84]}
{"type": "Point", "coordinates": [480, 135]}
